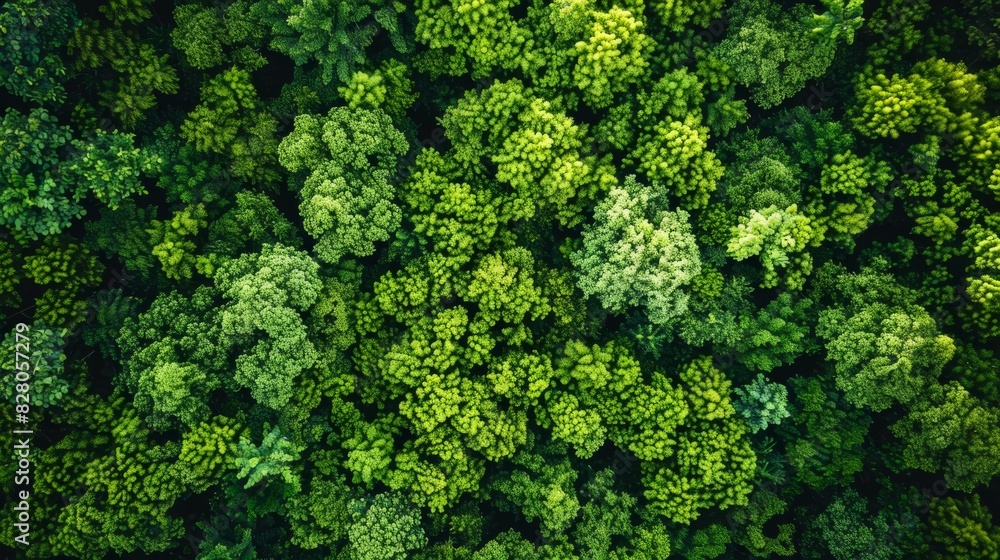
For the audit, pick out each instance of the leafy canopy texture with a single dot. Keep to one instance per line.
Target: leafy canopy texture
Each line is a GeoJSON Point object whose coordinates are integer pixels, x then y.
{"type": "Point", "coordinates": [43, 192]}
{"type": "Point", "coordinates": [501, 279]}
{"type": "Point", "coordinates": [348, 160]}
{"type": "Point", "coordinates": [635, 256]}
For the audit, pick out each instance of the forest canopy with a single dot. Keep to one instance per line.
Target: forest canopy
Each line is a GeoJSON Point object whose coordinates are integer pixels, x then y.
{"type": "Point", "coordinates": [501, 279]}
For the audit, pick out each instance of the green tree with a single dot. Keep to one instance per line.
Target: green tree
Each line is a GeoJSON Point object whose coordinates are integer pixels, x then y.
{"type": "Point", "coordinates": [674, 156]}
{"type": "Point", "coordinates": [779, 238]}
{"type": "Point", "coordinates": [828, 434]}
{"type": "Point", "coordinates": [385, 527]}
{"type": "Point", "coordinates": [330, 33]}
{"type": "Point", "coordinates": [347, 204]}
{"type": "Point", "coordinates": [372, 90]}
{"type": "Point", "coordinates": [248, 225]}
{"type": "Point", "coordinates": [934, 97]}
{"type": "Point", "coordinates": [10, 264]}
{"type": "Point", "coordinates": [635, 256]}
{"type": "Point", "coordinates": [448, 215]}
{"type": "Point", "coordinates": [846, 530]}
{"type": "Point", "coordinates": [760, 171]}
{"type": "Point", "coordinates": [43, 192]}
{"type": "Point", "coordinates": [485, 32]}
{"type": "Point", "coordinates": [606, 514]}
{"type": "Point", "coordinates": [713, 464]}
{"type": "Point", "coordinates": [891, 106]}
{"type": "Point", "coordinates": [704, 544]}
{"type": "Point", "coordinates": [120, 485]}
{"type": "Point", "coordinates": [884, 355]}
{"type": "Point", "coordinates": [848, 182]}
{"type": "Point", "coordinates": [172, 242]}
{"type": "Point", "coordinates": [775, 51]}
{"type": "Point", "coordinates": [776, 335]}
{"type": "Point", "coordinates": [34, 32]}
{"type": "Point", "coordinates": [266, 294]}
{"type": "Point", "coordinates": [173, 390]}
{"type": "Point", "coordinates": [961, 528]}
{"type": "Point", "coordinates": [231, 121]}
{"type": "Point", "coordinates": [187, 175]}
{"type": "Point", "coordinates": [548, 497]}
{"type": "Point", "coordinates": [112, 236]}
{"type": "Point", "coordinates": [208, 451]}
{"type": "Point", "coordinates": [64, 267]}
{"type": "Point", "coordinates": [983, 279]}
{"type": "Point", "coordinates": [613, 58]}
{"type": "Point", "coordinates": [764, 505]}
{"type": "Point", "coordinates": [322, 516]}
{"type": "Point", "coordinates": [274, 459]}
{"type": "Point", "coordinates": [676, 15]}
{"type": "Point", "coordinates": [49, 379]}
{"type": "Point", "coordinates": [209, 37]}
{"type": "Point", "coordinates": [762, 403]}
{"type": "Point", "coordinates": [541, 156]}
{"type": "Point", "coordinates": [950, 430]}
{"type": "Point", "coordinates": [176, 346]}
{"type": "Point", "coordinates": [137, 71]}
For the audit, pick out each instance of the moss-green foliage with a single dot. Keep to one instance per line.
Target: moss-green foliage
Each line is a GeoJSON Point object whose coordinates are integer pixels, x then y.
{"type": "Point", "coordinates": [950, 431]}
{"type": "Point", "coordinates": [272, 460]}
{"type": "Point", "coordinates": [540, 155]}
{"type": "Point", "coordinates": [347, 203]}
{"type": "Point", "coordinates": [386, 528]}
{"type": "Point", "coordinates": [211, 36]}
{"type": "Point", "coordinates": [371, 91]}
{"type": "Point", "coordinates": [763, 506]}
{"type": "Point", "coordinates": [63, 268]}
{"type": "Point", "coordinates": [135, 70]}
{"type": "Point", "coordinates": [186, 174]}
{"type": "Point", "coordinates": [253, 221]}
{"type": "Point", "coordinates": [208, 449]}
{"type": "Point", "coordinates": [502, 279]}
{"type": "Point", "coordinates": [230, 121]}
{"type": "Point", "coordinates": [42, 191]}
{"type": "Point", "coordinates": [779, 238]}
{"type": "Point", "coordinates": [884, 355]}
{"type": "Point", "coordinates": [612, 58]}
{"type": "Point", "coordinates": [775, 51]}
{"type": "Point", "coordinates": [612, 266]}
{"type": "Point", "coordinates": [962, 529]}
{"type": "Point", "coordinates": [687, 482]}
{"type": "Point", "coordinates": [830, 433]}
{"type": "Point", "coordinates": [762, 403]}
{"type": "Point", "coordinates": [846, 529]}
{"type": "Point", "coordinates": [266, 293]}
{"type": "Point", "coordinates": [33, 33]}
{"type": "Point", "coordinates": [334, 35]}
{"type": "Point", "coordinates": [172, 244]}
{"type": "Point", "coordinates": [10, 276]}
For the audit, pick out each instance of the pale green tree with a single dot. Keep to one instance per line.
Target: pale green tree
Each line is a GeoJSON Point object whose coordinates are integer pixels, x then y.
{"type": "Point", "coordinates": [634, 256]}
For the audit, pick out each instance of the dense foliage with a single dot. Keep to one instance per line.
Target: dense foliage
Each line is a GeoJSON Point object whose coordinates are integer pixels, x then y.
{"type": "Point", "coordinates": [503, 279]}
